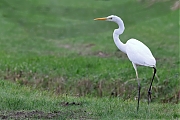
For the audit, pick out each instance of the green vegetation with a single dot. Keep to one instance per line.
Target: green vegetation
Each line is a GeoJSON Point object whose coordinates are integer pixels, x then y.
{"type": "Point", "coordinates": [23, 102]}
{"type": "Point", "coordinates": [58, 51]}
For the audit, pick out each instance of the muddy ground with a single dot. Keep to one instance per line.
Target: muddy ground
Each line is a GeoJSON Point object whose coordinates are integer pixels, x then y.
{"type": "Point", "coordinates": [37, 114]}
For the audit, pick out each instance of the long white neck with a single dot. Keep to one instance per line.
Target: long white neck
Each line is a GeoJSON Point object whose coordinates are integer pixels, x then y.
{"type": "Point", "coordinates": [121, 46]}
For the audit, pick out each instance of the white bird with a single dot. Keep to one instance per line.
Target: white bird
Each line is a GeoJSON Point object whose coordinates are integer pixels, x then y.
{"type": "Point", "coordinates": [137, 52]}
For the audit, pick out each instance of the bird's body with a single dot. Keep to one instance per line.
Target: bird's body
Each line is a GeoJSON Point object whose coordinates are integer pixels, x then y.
{"type": "Point", "coordinates": [137, 52]}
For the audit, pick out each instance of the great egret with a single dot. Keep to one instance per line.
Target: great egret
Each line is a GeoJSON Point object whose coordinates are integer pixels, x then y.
{"type": "Point", "coordinates": [137, 52]}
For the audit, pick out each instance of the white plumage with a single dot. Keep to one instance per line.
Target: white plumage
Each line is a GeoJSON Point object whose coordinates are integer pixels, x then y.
{"type": "Point", "coordinates": [137, 52]}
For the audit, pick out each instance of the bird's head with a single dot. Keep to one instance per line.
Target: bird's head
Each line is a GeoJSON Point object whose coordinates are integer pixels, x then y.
{"type": "Point", "coordinates": [116, 19]}
{"type": "Point", "coordinates": [112, 18]}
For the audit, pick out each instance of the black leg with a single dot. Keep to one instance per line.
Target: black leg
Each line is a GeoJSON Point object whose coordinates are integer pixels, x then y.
{"type": "Point", "coordinates": [139, 88]}
{"type": "Point", "coordinates": [149, 91]}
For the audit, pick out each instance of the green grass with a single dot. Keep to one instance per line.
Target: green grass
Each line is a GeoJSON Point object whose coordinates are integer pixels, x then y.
{"type": "Point", "coordinates": [17, 99]}
{"type": "Point", "coordinates": [57, 47]}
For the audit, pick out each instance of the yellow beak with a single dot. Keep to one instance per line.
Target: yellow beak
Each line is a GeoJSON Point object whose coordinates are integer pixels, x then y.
{"type": "Point", "coordinates": [100, 19]}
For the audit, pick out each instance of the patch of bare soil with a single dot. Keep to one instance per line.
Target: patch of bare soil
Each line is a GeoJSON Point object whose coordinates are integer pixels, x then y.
{"type": "Point", "coordinates": [30, 115]}
{"type": "Point", "coordinates": [37, 114]}
{"type": "Point", "coordinates": [102, 54]}
{"type": "Point", "coordinates": [176, 5]}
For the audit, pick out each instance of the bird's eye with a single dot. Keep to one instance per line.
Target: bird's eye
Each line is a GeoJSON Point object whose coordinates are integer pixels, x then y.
{"type": "Point", "coordinates": [110, 18]}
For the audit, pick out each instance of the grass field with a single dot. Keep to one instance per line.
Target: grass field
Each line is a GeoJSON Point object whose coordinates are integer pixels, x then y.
{"type": "Point", "coordinates": [56, 62]}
